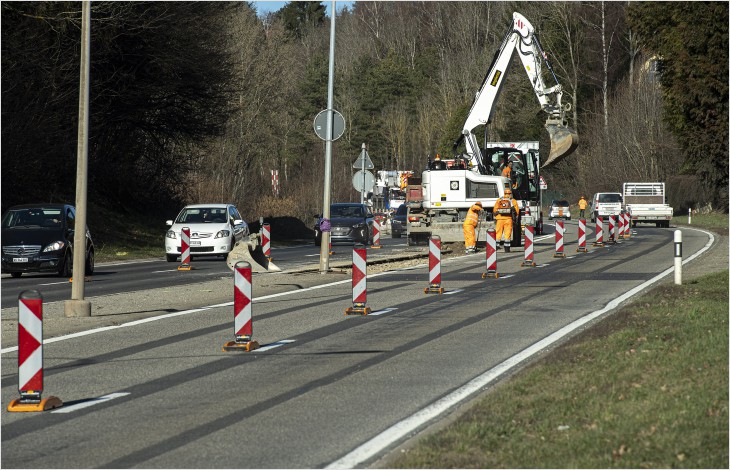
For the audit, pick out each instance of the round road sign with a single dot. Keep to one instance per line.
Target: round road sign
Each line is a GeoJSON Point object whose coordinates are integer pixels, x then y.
{"type": "Point", "coordinates": [367, 181]}
{"type": "Point", "coordinates": [321, 124]}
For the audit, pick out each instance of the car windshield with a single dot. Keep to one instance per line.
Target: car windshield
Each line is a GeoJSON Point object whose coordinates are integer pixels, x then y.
{"type": "Point", "coordinates": [609, 198]}
{"type": "Point", "coordinates": [201, 215]}
{"type": "Point", "coordinates": [37, 217]}
{"type": "Point", "coordinates": [346, 211]}
{"type": "Point", "coordinates": [561, 204]}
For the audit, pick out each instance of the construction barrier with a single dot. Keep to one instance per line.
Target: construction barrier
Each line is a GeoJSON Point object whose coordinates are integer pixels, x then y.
{"type": "Point", "coordinates": [529, 255]}
{"type": "Point", "coordinates": [242, 320]}
{"type": "Point", "coordinates": [611, 229]}
{"type": "Point", "coordinates": [582, 236]}
{"type": "Point", "coordinates": [30, 356]}
{"type": "Point", "coordinates": [359, 282]}
{"type": "Point", "coordinates": [434, 266]}
{"type": "Point", "coordinates": [599, 232]}
{"type": "Point", "coordinates": [559, 232]}
{"type": "Point", "coordinates": [266, 240]}
{"type": "Point", "coordinates": [184, 250]}
{"type": "Point", "coordinates": [376, 233]}
{"type": "Point", "coordinates": [627, 230]}
{"type": "Point", "coordinates": [491, 254]}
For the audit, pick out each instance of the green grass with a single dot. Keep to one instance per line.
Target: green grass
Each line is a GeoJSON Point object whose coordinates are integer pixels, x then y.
{"type": "Point", "coordinates": [128, 236]}
{"type": "Point", "coordinates": [645, 388]}
{"type": "Point", "coordinates": [711, 221]}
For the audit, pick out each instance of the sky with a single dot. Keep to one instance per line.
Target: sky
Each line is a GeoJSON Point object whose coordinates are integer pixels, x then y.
{"type": "Point", "coordinates": [265, 6]}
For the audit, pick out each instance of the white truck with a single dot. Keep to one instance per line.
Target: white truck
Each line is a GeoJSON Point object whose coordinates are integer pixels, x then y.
{"type": "Point", "coordinates": [646, 202]}
{"type": "Point", "coordinates": [447, 191]}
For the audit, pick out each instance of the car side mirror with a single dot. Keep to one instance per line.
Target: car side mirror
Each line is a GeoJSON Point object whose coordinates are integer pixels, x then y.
{"type": "Point", "coordinates": [168, 222]}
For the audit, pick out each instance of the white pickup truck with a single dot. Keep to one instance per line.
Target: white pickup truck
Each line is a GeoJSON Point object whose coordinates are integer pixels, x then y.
{"type": "Point", "coordinates": [645, 202]}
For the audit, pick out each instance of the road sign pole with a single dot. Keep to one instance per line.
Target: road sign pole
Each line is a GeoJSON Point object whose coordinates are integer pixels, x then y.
{"type": "Point", "coordinates": [324, 246]}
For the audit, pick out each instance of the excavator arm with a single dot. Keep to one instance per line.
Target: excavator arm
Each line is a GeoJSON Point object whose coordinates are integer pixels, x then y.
{"type": "Point", "coordinates": [521, 37]}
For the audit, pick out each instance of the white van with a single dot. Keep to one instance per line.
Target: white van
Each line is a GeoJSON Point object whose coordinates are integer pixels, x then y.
{"type": "Point", "coordinates": [605, 204]}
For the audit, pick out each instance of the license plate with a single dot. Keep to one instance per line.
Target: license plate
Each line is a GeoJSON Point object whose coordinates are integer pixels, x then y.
{"type": "Point", "coordinates": [194, 243]}
{"type": "Point", "coordinates": [20, 260]}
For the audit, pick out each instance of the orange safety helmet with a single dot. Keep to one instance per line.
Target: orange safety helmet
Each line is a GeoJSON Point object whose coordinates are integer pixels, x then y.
{"type": "Point", "coordinates": [478, 203]}
{"type": "Point", "coordinates": [507, 191]}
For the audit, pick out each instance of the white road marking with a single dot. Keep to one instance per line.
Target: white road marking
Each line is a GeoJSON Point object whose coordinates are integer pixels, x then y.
{"type": "Point", "coordinates": [453, 292]}
{"type": "Point", "coordinates": [382, 311]}
{"type": "Point", "coordinates": [54, 283]}
{"type": "Point", "coordinates": [88, 403]}
{"type": "Point", "coordinates": [271, 346]}
{"type": "Point", "coordinates": [506, 276]}
{"type": "Point", "coordinates": [404, 428]}
{"type": "Point", "coordinates": [165, 271]}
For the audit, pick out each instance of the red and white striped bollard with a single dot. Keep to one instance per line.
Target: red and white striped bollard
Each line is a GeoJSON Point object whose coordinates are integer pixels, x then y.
{"type": "Point", "coordinates": [376, 233]}
{"type": "Point", "coordinates": [30, 355]}
{"type": "Point", "coordinates": [242, 319]}
{"type": "Point", "coordinates": [582, 236]}
{"type": "Point", "coordinates": [266, 240]}
{"type": "Point", "coordinates": [599, 232]}
{"type": "Point", "coordinates": [359, 282]}
{"type": "Point", "coordinates": [184, 250]}
{"type": "Point", "coordinates": [559, 246]}
{"type": "Point", "coordinates": [611, 229]}
{"type": "Point", "coordinates": [491, 254]}
{"type": "Point", "coordinates": [529, 255]}
{"type": "Point", "coordinates": [434, 266]}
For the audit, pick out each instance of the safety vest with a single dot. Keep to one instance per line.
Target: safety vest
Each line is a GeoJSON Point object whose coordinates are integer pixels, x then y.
{"type": "Point", "coordinates": [504, 206]}
{"type": "Point", "coordinates": [472, 217]}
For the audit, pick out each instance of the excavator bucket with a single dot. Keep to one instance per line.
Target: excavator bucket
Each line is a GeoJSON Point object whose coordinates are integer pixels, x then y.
{"type": "Point", "coordinates": [250, 250]}
{"type": "Point", "coordinates": [563, 141]}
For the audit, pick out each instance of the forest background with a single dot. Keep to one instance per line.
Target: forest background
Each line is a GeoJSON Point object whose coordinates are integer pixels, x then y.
{"type": "Point", "coordinates": [199, 101]}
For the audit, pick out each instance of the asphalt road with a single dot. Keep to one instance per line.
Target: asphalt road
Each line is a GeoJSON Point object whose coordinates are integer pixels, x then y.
{"type": "Point", "coordinates": [325, 389]}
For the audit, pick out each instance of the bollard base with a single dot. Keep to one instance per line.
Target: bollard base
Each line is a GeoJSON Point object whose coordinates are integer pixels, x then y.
{"type": "Point", "coordinates": [376, 246]}
{"type": "Point", "coordinates": [602, 245]}
{"type": "Point", "coordinates": [581, 250]}
{"type": "Point", "coordinates": [245, 347]}
{"type": "Point", "coordinates": [528, 264]}
{"type": "Point", "coordinates": [559, 255]}
{"type": "Point", "coordinates": [44, 405]}
{"type": "Point", "coordinates": [488, 274]}
{"type": "Point", "coordinates": [358, 311]}
{"type": "Point", "coordinates": [184, 267]}
{"type": "Point", "coordinates": [433, 290]}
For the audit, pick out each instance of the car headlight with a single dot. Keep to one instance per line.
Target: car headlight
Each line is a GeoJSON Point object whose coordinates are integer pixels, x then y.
{"type": "Point", "coordinates": [170, 234]}
{"type": "Point", "coordinates": [223, 233]}
{"type": "Point", "coordinates": [55, 246]}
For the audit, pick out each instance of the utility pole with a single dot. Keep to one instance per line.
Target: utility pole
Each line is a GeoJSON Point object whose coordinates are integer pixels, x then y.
{"type": "Point", "coordinates": [324, 250]}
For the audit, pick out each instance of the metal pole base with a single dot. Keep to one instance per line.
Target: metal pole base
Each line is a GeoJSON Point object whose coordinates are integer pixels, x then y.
{"type": "Point", "coordinates": [49, 403]}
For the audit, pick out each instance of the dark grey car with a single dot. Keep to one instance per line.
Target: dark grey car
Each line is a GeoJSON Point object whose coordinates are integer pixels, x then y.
{"type": "Point", "coordinates": [399, 222]}
{"type": "Point", "coordinates": [350, 223]}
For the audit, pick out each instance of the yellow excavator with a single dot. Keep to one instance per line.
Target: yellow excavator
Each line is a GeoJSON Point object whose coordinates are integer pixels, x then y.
{"type": "Point", "coordinates": [521, 38]}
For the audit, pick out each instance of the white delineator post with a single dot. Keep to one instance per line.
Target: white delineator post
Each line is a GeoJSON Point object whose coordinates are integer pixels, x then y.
{"type": "Point", "coordinates": [242, 319]}
{"type": "Point", "coordinates": [678, 257]}
{"type": "Point", "coordinates": [529, 255]}
{"type": "Point", "coordinates": [491, 254]}
{"type": "Point", "coordinates": [30, 355]}
{"type": "Point", "coordinates": [582, 236]}
{"type": "Point", "coordinates": [376, 233]}
{"type": "Point", "coordinates": [434, 266]}
{"type": "Point", "coordinates": [184, 249]}
{"type": "Point", "coordinates": [559, 231]}
{"type": "Point", "coordinates": [689, 216]}
{"type": "Point", "coordinates": [359, 282]}
{"type": "Point", "coordinates": [599, 232]}
{"type": "Point", "coordinates": [266, 240]}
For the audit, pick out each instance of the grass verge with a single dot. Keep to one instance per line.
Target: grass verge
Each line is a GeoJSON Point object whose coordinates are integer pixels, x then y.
{"type": "Point", "coordinates": [645, 388]}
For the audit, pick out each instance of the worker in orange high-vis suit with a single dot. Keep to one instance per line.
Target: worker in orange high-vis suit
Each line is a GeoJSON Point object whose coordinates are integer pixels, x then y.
{"type": "Point", "coordinates": [470, 225]}
{"type": "Point", "coordinates": [504, 210]}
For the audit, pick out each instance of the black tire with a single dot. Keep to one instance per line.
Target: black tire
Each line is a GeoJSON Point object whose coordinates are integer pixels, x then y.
{"type": "Point", "coordinates": [317, 242]}
{"type": "Point", "coordinates": [65, 269]}
{"type": "Point", "coordinates": [16, 275]}
{"type": "Point", "coordinates": [171, 258]}
{"type": "Point", "coordinates": [90, 260]}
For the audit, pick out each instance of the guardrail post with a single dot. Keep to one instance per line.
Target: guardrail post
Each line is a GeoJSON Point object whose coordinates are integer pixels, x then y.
{"type": "Point", "coordinates": [30, 356]}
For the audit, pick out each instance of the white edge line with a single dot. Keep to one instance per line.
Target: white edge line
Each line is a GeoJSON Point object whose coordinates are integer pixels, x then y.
{"type": "Point", "coordinates": [266, 297]}
{"type": "Point", "coordinates": [274, 345]}
{"type": "Point", "coordinates": [401, 429]}
{"type": "Point", "coordinates": [91, 402]}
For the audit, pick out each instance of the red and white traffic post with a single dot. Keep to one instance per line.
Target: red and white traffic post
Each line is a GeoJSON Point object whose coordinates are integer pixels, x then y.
{"type": "Point", "coordinates": [266, 240]}
{"type": "Point", "coordinates": [184, 250]}
{"type": "Point", "coordinates": [376, 233]}
{"type": "Point", "coordinates": [582, 236]}
{"type": "Point", "coordinates": [30, 355]}
{"type": "Point", "coordinates": [559, 232]}
{"type": "Point", "coordinates": [359, 282]}
{"type": "Point", "coordinates": [491, 254]}
{"type": "Point", "coordinates": [599, 232]}
{"type": "Point", "coordinates": [242, 319]}
{"type": "Point", "coordinates": [434, 266]}
{"type": "Point", "coordinates": [620, 221]}
{"type": "Point", "coordinates": [627, 230]}
{"type": "Point", "coordinates": [529, 255]}
{"type": "Point", "coordinates": [611, 229]}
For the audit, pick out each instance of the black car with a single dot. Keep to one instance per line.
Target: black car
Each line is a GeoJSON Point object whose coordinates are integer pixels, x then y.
{"type": "Point", "coordinates": [398, 224]}
{"type": "Point", "coordinates": [350, 223]}
{"type": "Point", "coordinates": [39, 238]}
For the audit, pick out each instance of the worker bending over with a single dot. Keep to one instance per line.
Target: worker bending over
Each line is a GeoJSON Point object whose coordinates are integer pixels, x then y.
{"type": "Point", "coordinates": [505, 210]}
{"type": "Point", "coordinates": [470, 225]}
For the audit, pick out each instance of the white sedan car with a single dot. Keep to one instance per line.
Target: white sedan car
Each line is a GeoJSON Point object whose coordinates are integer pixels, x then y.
{"type": "Point", "coordinates": [214, 230]}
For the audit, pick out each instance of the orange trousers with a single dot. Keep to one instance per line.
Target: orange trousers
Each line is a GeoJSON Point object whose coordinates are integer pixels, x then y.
{"type": "Point", "coordinates": [504, 229]}
{"type": "Point", "coordinates": [469, 236]}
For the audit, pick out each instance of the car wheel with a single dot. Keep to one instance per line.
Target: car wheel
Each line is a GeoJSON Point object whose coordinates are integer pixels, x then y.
{"type": "Point", "coordinates": [16, 275]}
{"type": "Point", "coordinates": [171, 258]}
{"type": "Point", "coordinates": [65, 269]}
{"type": "Point", "coordinates": [89, 268]}
{"type": "Point", "coordinates": [317, 242]}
